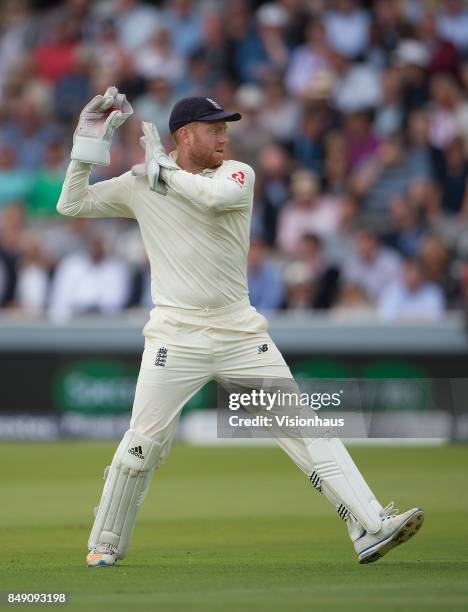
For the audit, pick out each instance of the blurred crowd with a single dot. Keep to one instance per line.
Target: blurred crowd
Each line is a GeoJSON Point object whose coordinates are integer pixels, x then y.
{"type": "Point", "coordinates": [355, 119]}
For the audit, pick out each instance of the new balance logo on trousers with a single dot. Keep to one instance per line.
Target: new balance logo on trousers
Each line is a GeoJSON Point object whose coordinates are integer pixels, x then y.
{"type": "Point", "coordinates": [137, 451]}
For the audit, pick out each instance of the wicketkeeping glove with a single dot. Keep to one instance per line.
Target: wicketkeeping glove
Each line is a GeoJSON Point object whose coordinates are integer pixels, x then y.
{"type": "Point", "coordinates": [98, 121]}
{"type": "Point", "coordinates": [156, 158]}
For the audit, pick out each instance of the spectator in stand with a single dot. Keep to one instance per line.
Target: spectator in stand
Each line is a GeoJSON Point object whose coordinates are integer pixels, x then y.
{"type": "Point", "coordinates": [55, 57]}
{"type": "Point", "coordinates": [353, 302]}
{"type": "Point", "coordinates": [411, 59]}
{"type": "Point", "coordinates": [73, 90]}
{"type": "Point", "coordinates": [390, 172]}
{"type": "Point", "coordinates": [306, 211]}
{"type": "Point", "coordinates": [452, 177]}
{"type": "Point", "coordinates": [185, 20]}
{"type": "Point", "coordinates": [360, 136]}
{"type": "Point", "coordinates": [90, 281]}
{"type": "Point", "coordinates": [15, 181]}
{"type": "Point", "coordinates": [135, 22]}
{"type": "Point", "coordinates": [406, 230]}
{"type": "Point", "coordinates": [47, 184]}
{"type": "Point", "coordinates": [460, 298]}
{"type": "Point", "coordinates": [273, 188]}
{"type": "Point", "coordinates": [309, 61]}
{"type": "Point", "coordinates": [299, 286]}
{"type": "Point", "coordinates": [280, 118]}
{"type": "Point", "coordinates": [335, 167]}
{"type": "Point", "coordinates": [156, 104]}
{"type": "Point", "coordinates": [435, 259]}
{"type": "Point", "coordinates": [28, 131]}
{"type": "Point", "coordinates": [263, 49]}
{"type": "Point", "coordinates": [108, 52]}
{"type": "Point", "coordinates": [158, 60]}
{"type": "Point", "coordinates": [347, 28]}
{"type": "Point", "coordinates": [33, 272]}
{"type": "Point", "coordinates": [308, 141]}
{"type": "Point", "coordinates": [323, 275]}
{"type": "Point", "coordinates": [412, 298]}
{"type": "Point", "coordinates": [11, 234]}
{"type": "Point", "coordinates": [213, 48]}
{"type": "Point", "coordinates": [389, 116]}
{"type": "Point", "coordinates": [371, 265]}
{"type": "Point", "coordinates": [264, 275]}
{"type": "Point", "coordinates": [452, 24]}
{"type": "Point", "coordinates": [443, 54]}
{"type": "Point", "coordinates": [443, 110]}
{"type": "Point", "coordinates": [248, 138]}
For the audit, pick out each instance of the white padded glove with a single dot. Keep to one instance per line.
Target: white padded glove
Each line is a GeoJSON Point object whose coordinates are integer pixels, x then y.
{"type": "Point", "coordinates": [155, 158]}
{"type": "Point", "coordinates": [98, 121]}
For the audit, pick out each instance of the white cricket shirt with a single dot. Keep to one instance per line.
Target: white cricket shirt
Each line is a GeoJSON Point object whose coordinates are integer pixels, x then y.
{"type": "Point", "coordinates": [196, 237]}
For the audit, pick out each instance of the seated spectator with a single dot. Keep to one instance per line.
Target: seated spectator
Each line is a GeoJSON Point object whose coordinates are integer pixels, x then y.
{"type": "Point", "coordinates": [412, 298]}
{"type": "Point", "coordinates": [388, 173]}
{"type": "Point", "coordinates": [452, 177]}
{"type": "Point", "coordinates": [11, 234]}
{"type": "Point", "coordinates": [306, 211]}
{"type": "Point", "coordinates": [47, 184]}
{"type": "Point", "coordinates": [272, 184]}
{"type": "Point", "coordinates": [411, 59]}
{"type": "Point", "coordinates": [308, 61]}
{"type": "Point", "coordinates": [445, 100]}
{"type": "Point", "coordinates": [33, 278]}
{"type": "Point", "coordinates": [280, 117]}
{"type": "Point", "coordinates": [307, 142]}
{"type": "Point", "coordinates": [371, 265]}
{"type": "Point", "coordinates": [406, 231]}
{"type": "Point", "coordinates": [347, 28]}
{"type": "Point", "coordinates": [299, 286]}
{"type": "Point", "coordinates": [28, 131]}
{"type": "Point", "coordinates": [156, 104]}
{"type": "Point", "coordinates": [91, 281]}
{"type": "Point", "coordinates": [452, 24]}
{"type": "Point", "coordinates": [362, 142]}
{"type": "Point", "coordinates": [135, 22]}
{"type": "Point", "coordinates": [263, 49]}
{"type": "Point", "coordinates": [264, 277]}
{"type": "Point", "coordinates": [310, 251]}
{"type": "Point", "coordinates": [158, 60]}
{"type": "Point", "coordinates": [184, 20]}
{"type": "Point", "coordinates": [353, 302]}
{"type": "Point", "coordinates": [435, 260]}
{"type": "Point", "coordinates": [55, 57]}
{"type": "Point", "coordinates": [389, 116]}
{"type": "Point", "coordinates": [15, 182]}
{"type": "Point", "coordinates": [247, 136]}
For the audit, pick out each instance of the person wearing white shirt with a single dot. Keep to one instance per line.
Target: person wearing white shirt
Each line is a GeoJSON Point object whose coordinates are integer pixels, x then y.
{"type": "Point", "coordinates": [88, 281]}
{"type": "Point", "coordinates": [194, 208]}
{"type": "Point", "coordinates": [412, 298]}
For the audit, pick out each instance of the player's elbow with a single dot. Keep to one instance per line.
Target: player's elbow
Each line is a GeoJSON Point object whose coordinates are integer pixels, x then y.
{"type": "Point", "coordinates": [68, 209]}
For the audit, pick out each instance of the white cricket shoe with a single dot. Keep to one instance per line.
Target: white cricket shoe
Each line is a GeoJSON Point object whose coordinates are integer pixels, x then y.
{"type": "Point", "coordinates": [396, 529]}
{"type": "Point", "coordinates": [102, 555]}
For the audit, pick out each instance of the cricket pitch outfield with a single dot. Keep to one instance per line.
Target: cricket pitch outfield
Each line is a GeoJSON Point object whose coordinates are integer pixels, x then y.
{"type": "Point", "coordinates": [227, 529]}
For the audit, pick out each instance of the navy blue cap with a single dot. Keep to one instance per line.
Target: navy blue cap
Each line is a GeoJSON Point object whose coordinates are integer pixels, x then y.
{"type": "Point", "coordinates": [198, 109]}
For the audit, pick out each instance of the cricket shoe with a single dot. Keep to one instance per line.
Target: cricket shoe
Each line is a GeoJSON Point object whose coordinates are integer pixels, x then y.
{"type": "Point", "coordinates": [102, 555]}
{"type": "Point", "coordinates": [396, 529]}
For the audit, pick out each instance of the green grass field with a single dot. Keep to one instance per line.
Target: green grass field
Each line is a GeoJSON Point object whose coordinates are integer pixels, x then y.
{"type": "Point", "coordinates": [227, 529]}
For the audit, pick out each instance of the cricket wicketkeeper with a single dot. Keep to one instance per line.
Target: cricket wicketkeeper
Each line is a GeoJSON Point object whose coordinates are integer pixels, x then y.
{"type": "Point", "coordinates": [194, 209]}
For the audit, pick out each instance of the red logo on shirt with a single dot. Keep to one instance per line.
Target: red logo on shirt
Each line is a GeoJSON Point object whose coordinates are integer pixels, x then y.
{"type": "Point", "coordinates": [239, 177]}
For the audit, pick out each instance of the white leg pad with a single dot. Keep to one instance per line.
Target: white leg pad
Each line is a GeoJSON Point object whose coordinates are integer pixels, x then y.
{"type": "Point", "coordinates": [127, 482]}
{"type": "Point", "coordinates": [336, 475]}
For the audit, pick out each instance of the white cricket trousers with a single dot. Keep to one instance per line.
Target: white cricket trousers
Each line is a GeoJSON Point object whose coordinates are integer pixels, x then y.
{"type": "Point", "coordinates": [185, 349]}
